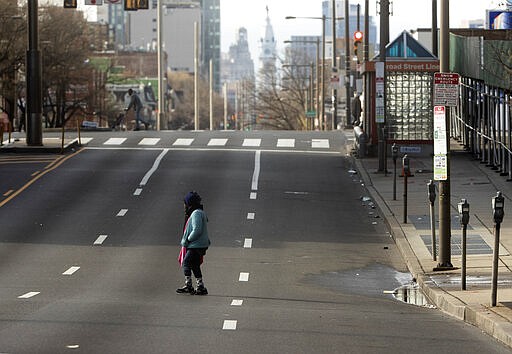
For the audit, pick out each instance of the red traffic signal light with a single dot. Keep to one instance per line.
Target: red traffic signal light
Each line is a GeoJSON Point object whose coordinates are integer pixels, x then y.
{"type": "Point", "coordinates": [358, 36]}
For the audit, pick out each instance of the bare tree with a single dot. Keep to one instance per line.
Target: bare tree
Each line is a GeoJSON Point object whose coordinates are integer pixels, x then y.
{"type": "Point", "coordinates": [66, 47]}
{"type": "Point", "coordinates": [183, 115]}
{"type": "Point", "coordinates": [281, 102]}
{"type": "Point", "coordinates": [12, 53]}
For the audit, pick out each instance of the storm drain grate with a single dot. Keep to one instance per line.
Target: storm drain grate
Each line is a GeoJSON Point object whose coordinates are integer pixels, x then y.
{"type": "Point", "coordinates": [475, 244]}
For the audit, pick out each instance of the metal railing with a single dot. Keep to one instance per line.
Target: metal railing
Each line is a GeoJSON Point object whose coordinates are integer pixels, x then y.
{"type": "Point", "coordinates": [482, 123]}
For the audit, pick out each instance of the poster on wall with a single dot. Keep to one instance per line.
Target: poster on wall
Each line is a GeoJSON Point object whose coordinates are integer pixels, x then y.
{"type": "Point", "coordinates": [498, 19]}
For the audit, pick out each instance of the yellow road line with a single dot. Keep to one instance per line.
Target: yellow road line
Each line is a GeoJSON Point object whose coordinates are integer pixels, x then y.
{"type": "Point", "coordinates": [18, 192]}
{"type": "Point", "coordinates": [8, 192]}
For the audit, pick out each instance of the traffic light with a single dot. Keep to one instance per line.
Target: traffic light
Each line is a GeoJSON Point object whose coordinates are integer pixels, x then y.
{"type": "Point", "coordinates": [70, 4]}
{"type": "Point", "coordinates": [131, 5]}
{"type": "Point", "coordinates": [358, 39]}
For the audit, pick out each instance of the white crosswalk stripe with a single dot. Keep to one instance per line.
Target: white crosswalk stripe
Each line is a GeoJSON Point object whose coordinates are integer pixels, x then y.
{"type": "Point", "coordinates": [286, 143]}
{"type": "Point", "coordinates": [85, 140]}
{"type": "Point", "coordinates": [252, 142]}
{"type": "Point", "coordinates": [149, 141]}
{"type": "Point", "coordinates": [115, 141]}
{"type": "Point", "coordinates": [320, 143]}
{"type": "Point", "coordinates": [217, 142]}
{"type": "Point", "coordinates": [183, 142]}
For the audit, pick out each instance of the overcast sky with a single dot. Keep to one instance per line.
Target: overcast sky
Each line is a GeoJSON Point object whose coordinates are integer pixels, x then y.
{"type": "Point", "coordinates": [407, 14]}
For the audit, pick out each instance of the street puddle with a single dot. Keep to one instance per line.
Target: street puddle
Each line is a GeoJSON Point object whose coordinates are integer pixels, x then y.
{"type": "Point", "coordinates": [412, 294]}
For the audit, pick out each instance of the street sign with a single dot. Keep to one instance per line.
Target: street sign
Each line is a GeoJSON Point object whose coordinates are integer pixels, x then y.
{"type": "Point", "coordinates": [440, 142]}
{"type": "Point", "coordinates": [380, 109]}
{"type": "Point", "coordinates": [310, 114]}
{"type": "Point", "coordinates": [440, 167]}
{"type": "Point", "coordinates": [446, 89]}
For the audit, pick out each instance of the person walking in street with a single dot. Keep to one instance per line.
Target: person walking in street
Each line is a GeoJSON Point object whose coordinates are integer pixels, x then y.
{"type": "Point", "coordinates": [137, 106]}
{"type": "Point", "coordinates": [195, 242]}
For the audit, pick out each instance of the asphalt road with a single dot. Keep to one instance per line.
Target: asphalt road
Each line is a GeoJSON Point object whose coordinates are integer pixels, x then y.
{"type": "Point", "coordinates": [298, 263]}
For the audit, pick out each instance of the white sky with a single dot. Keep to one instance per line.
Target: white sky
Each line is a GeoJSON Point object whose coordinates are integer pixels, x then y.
{"type": "Point", "coordinates": [407, 14]}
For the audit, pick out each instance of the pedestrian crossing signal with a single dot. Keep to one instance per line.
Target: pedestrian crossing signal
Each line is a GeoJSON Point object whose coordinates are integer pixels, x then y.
{"type": "Point", "coordinates": [70, 4]}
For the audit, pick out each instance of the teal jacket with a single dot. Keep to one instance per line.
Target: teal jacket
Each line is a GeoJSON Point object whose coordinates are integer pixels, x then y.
{"type": "Point", "coordinates": [195, 234]}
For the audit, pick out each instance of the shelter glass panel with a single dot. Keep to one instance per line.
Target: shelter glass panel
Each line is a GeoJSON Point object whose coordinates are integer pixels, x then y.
{"type": "Point", "coordinates": [409, 105]}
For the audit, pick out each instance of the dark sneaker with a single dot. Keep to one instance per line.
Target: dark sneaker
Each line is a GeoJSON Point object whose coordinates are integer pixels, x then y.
{"type": "Point", "coordinates": [201, 290]}
{"type": "Point", "coordinates": [187, 289]}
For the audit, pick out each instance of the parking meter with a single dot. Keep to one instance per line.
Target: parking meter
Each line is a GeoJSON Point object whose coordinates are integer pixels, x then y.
{"type": "Point", "coordinates": [394, 151]}
{"type": "Point", "coordinates": [406, 166]}
{"type": "Point", "coordinates": [498, 203]}
{"type": "Point", "coordinates": [463, 208]}
{"type": "Point", "coordinates": [431, 191]}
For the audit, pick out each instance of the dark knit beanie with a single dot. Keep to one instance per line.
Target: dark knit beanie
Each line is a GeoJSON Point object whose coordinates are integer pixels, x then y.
{"type": "Point", "coordinates": [192, 199]}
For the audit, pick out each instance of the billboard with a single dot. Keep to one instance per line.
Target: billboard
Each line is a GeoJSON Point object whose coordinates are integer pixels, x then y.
{"type": "Point", "coordinates": [498, 19]}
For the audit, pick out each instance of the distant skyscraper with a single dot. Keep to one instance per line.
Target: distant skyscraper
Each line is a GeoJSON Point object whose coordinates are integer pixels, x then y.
{"type": "Point", "coordinates": [238, 64]}
{"type": "Point", "coordinates": [210, 39]}
{"type": "Point", "coordinates": [340, 25]}
{"type": "Point", "coordinates": [268, 52]}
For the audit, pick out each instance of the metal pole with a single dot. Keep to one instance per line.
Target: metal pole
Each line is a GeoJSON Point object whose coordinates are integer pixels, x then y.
{"type": "Point", "coordinates": [334, 60]}
{"type": "Point", "coordinates": [196, 75]}
{"type": "Point", "coordinates": [347, 65]}
{"type": "Point", "coordinates": [435, 45]}
{"type": "Point", "coordinates": [495, 259]}
{"type": "Point", "coordinates": [34, 82]}
{"type": "Point", "coordinates": [322, 117]}
{"type": "Point", "coordinates": [211, 94]}
{"type": "Point", "coordinates": [317, 108]}
{"type": "Point", "coordinates": [394, 178]}
{"type": "Point", "coordinates": [225, 91]}
{"type": "Point", "coordinates": [384, 39]}
{"type": "Point", "coordinates": [366, 36]}
{"type": "Point", "coordinates": [463, 272]}
{"type": "Point", "coordinates": [161, 95]}
{"type": "Point", "coordinates": [444, 186]}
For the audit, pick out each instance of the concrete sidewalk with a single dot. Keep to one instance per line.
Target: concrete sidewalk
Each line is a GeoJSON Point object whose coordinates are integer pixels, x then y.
{"type": "Point", "coordinates": [478, 184]}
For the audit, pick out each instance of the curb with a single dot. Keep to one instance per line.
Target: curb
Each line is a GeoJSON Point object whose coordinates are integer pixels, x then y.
{"type": "Point", "coordinates": [475, 314]}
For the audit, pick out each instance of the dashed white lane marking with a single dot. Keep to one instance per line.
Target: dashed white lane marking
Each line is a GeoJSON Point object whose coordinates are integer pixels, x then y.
{"type": "Point", "coordinates": [114, 141]}
{"type": "Point", "coordinates": [252, 142]}
{"type": "Point", "coordinates": [183, 142]}
{"type": "Point", "coordinates": [100, 239]}
{"type": "Point", "coordinates": [153, 168]}
{"type": "Point", "coordinates": [217, 142]}
{"type": "Point", "coordinates": [149, 141]}
{"type": "Point", "coordinates": [122, 212]}
{"type": "Point", "coordinates": [29, 295]}
{"type": "Point", "coordinates": [237, 302]}
{"type": "Point", "coordinates": [71, 270]}
{"type": "Point", "coordinates": [248, 243]}
{"type": "Point", "coordinates": [138, 191]}
{"type": "Point", "coordinates": [320, 143]}
{"type": "Point", "coordinates": [289, 143]}
{"type": "Point", "coordinates": [243, 276]}
{"type": "Point", "coordinates": [72, 346]}
{"type": "Point", "coordinates": [229, 325]}
{"type": "Point", "coordinates": [253, 195]}
{"type": "Point", "coordinates": [256, 173]}
{"type": "Point", "coordinates": [250, 216]}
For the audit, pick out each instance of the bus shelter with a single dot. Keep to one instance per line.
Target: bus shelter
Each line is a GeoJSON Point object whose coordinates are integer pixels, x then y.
{"type": "Point", "coordinates": [408, 84]}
